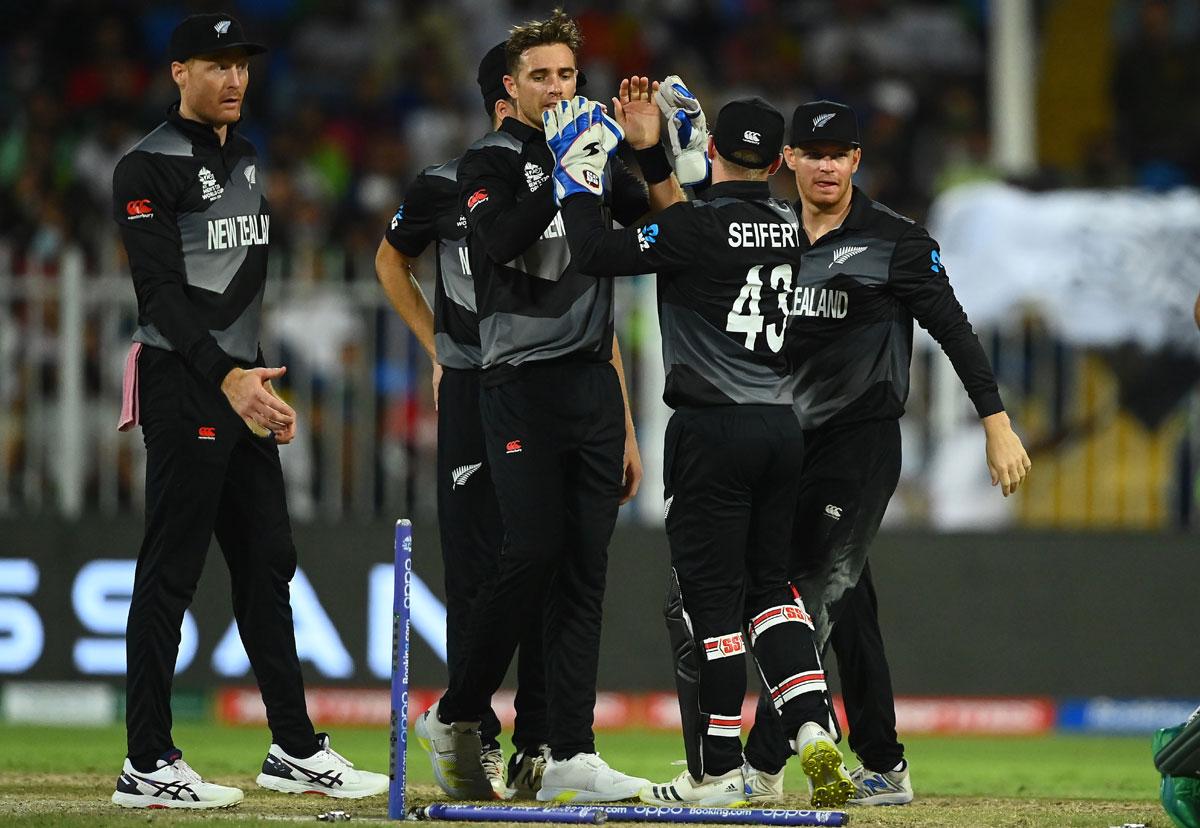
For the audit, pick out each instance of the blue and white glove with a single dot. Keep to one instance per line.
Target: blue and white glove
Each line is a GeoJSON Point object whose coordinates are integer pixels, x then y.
{"type": "Point", "coordinates": [582, 138]}
{"type": "Point", "coordinates": [687, 131]}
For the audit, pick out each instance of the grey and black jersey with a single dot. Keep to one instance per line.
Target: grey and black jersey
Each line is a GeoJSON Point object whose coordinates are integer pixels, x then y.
{"type": "Point", "coordinates": [196, 225]}
{"type": "Point", "coordinates": [431, 213]}
{"type": "Point", "coordinates": [851, 341]}
{"type": "Point", "coordinates": [727, 268]}
{"type": "Point", "coordinates": [534, 305]}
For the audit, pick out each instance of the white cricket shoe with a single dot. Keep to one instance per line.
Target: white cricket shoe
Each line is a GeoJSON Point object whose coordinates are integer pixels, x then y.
{"type": "Point", "coordinates": [892, 787]}
{"type": "Point", "coordinates": [493, 770]}
{"type": "Point", "coordinates": [725, 791]}
{"type": "Point", "coordinates": [525, 771]}
{"type": "Point", "coordinates": [326, 772]}
{"type": "Point", "coordinates": [456, 754]}
{"type": "Point", "coordinates": [585, 777]}
{"type": "Point", "coordinates": [173, 784]}
{"type": "Point", "coordinates": [762, 786]}
{"type": "Point", "coordinates": [822, 764]}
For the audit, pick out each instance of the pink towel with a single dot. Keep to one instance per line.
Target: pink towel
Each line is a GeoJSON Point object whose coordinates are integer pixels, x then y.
{"type": "Point", "coordinates": [130, 416]}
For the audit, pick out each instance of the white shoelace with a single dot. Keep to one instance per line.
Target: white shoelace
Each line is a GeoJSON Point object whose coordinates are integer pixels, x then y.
{"type": "Point", "coordinates": [185, 771]}
{"type": "Point", "coordinates": [336, 755]}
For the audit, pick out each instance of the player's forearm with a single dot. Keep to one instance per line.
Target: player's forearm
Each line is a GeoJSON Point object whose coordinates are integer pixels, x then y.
{"type": "Point", "coordinates": [506, 227]}
{"type": "Point", "coordinates": [619, 367]}
{"type": "Point", "coordinates": [665, 193]}
{"type": "Point", "coordinates": [595, 249]}
{"type": "Point", "coordinates": [394, 271]}
{"type": "Point", "coordinates": [167, 308]}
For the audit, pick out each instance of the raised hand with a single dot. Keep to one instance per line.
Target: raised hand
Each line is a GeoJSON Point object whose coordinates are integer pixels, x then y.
{"type": "Point", "coordinates": [582, 138]}
{"type": "Point", "coordinates": [687, 129]}
{"type": "Point", "coordinates": [636, 112]}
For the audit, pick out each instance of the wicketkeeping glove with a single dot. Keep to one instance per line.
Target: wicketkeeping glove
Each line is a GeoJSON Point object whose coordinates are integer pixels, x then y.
{"type": "Point", "coordinates": [686, 130]}
{"type": "Point", "coordinates": [582, 138]}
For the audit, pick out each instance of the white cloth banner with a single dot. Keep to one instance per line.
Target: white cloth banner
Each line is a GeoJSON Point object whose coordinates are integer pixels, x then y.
{"type": "Point", "coordinates": [1102, 267]}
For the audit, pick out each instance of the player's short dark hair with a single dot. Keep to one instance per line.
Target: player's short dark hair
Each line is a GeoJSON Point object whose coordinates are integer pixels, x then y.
{"type": "Point", "coordinates": [558, 28]}
{"type": "Point", "coordinates": [743, 171]}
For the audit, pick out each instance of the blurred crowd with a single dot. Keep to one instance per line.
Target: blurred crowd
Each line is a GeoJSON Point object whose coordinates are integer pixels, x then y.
{"type": "Point", "coordinates": [356, 96]}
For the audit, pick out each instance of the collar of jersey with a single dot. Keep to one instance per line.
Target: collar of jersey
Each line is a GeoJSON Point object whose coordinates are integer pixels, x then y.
{"type": "Point", "coordinates": [749, 190]}
{"type": "Point", "coordinates": [197, 132]}
{"type": "Point", "coordinates": [524, 132]}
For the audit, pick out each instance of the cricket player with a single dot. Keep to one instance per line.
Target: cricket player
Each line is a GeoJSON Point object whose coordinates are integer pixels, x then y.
{"type": "Point", "coordinates": [868, 274]}
{"type": "Point", "coordinates": [551, 400]}
{"type": "Point", "coordinates": [468, 513]}
{"type": "Point", "coordinates": [189, 202]}
{"type": "Point", "coordinates": [726, 266]}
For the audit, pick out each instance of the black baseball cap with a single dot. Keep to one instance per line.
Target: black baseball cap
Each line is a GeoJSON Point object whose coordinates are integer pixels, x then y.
{"type": "Point", "coordinates": [824, 121]}
{"type": "Point", "coordinates": [749, 132]}
{"type": "Point", "coordinates": [490, 77]}
{"type": "Point", "coordinates": [204, 34]}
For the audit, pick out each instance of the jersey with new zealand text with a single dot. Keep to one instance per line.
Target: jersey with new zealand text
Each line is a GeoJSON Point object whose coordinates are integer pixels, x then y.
{"type": "Point", "coordinates": [852, 322]}
{"type": "Point", "coordinates": [727, 270]}
{"type": "Point", "coordinates": [430, 213]}
{"type": "Point", "coordinates": [196, 225]}
{"type": "Point", "coordinates": [533, 303]}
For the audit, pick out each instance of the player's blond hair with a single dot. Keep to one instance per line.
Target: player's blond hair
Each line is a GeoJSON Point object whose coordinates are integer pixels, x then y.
{"type": "Point", "coordinates": [558, 28]}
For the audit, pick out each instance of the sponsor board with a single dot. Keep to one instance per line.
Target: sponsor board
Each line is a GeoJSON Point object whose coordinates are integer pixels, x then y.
{"type": "Point", "coordinates": [654, 710]}
{"type": "Point", "coordinates": [1107, 715]}
{"type": "Point", "coordinates": [59, 703]}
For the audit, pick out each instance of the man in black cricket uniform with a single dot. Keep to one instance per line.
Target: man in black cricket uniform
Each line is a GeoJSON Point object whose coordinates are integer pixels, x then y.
{"type": "Point", "coordinates": [189, 201]}
{"type": "Point", "coordinates": [468, 514]}
{"type": "Point", "coordinates": [866, 274]}
{"type": "Point", "coordinates": [552, 410]}
{"type": "Point", "coordinates": [725, 268]}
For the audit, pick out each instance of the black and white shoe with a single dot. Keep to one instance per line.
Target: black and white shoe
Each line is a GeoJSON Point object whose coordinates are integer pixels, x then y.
{"type": "Point", "coordinates": [172, 785]}
{"type": "Point", "coordinates": [326, 772]}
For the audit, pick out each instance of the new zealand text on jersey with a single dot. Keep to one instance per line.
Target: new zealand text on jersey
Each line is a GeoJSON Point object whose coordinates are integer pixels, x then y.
{"type": "Point", "coordinates": [820, 302]}
{"type": "Point", "coordinates": [238, 231]}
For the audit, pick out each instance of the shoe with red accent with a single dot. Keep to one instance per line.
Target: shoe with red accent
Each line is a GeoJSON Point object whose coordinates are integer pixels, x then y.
{"type": "Point", "coordinates": [326, 772]}
{"type": "Point", "coordinates": [173, 784]}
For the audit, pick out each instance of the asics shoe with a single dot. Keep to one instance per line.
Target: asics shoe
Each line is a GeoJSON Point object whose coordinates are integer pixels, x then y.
{"type": "Point", "coordinates": [456, 754]}
{"type": "Point", "coordinates": [725, 791]}
{"type": "Point", "coordinates": [173, 784]}
{"type": "Point", "coordinates": [585, 777]}
{"type": "Point", "coordinates": [882, 788]}
{"type": "Point", "coordinates": [326, 772]}
{"type": "Point", "coordinates": [762, 786]}
{"type": "Point", "coordinates": [525, 769]}
{"type": "Point", "coordinates": [822, 764]}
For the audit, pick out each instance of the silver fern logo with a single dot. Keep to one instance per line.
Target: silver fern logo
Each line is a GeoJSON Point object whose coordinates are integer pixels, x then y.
{"type": "Point", "coordinates": [462, 474]}
{"type": "Point", "coordinates": [222, 27]}
{"type": "Point", "coordinates": [667, 506]}
{"type": "Point", "coordinates": [842, 254]}
{"type": "Point", "coordinates": [822, 120]}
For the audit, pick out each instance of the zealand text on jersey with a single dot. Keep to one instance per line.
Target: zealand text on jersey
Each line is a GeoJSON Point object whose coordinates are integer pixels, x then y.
{"type": "Point", "coordinates": [820, 302]}
{"type": "Point", "coordinates": [238, 231]}
{"type": "Point", "coordinates": [762, 234]}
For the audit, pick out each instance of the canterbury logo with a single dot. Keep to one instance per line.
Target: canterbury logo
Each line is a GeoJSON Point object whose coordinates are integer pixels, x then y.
{"type": "Point", "coordinates": [206, 433]}
{"type": "Point", "coordinates": [834, 512]}
{"type": "Point", "coordinates": [822, 120]}
{"type": "Point", "coordinates": [512, 447]}
{"type": "Point", "coordinates": [462, 474]}
{"type": "Point", "coordinates": [138, 207]}
{"type": "Point", "coordinates": [843, 253]}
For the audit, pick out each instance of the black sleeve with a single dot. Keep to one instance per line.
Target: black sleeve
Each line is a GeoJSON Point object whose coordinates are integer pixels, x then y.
{"type": "Point", "coordinates": [918, 279]}
{"type": "Point", "coordinates": [505, 227]}
{"type": "Point", "coordinates": [144, 207]}
{"type": "Point", "coordinates": [414, 226]}
{"type": "Point", "coordinates": [629, 199]}
{"type": "Point", "coordinates": [668, 243]}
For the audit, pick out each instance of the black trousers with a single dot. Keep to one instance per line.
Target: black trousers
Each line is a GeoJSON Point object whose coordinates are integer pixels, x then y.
{"type": "Point", "coordinates": [207, 473]}
{"type": "Point", "coordinates": [555, 439]}
{"type": "Point", "coordinates": [731, 484]}
{"type": "Point", "coordinates": [850, 473]}
{"type": "Point", "coordinates": [472, 535]}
